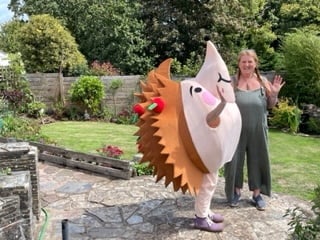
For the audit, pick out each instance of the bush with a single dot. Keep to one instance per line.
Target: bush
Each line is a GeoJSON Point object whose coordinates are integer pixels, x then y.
{"type": "Point", "coordinates": [286, 116]}
{"type": "Point", "coordinates": [88, 91]}
{"type": "Point", "coordinates": [304, 227]}
{"type": "Point", "coordinates": [20, 128]}
{"type": "Point", "coordinates": [101, 69]}
{"type": "Point", "coordinates": [142, 169]}
{"type": "Point", "coordinates": [313, 125]}
{"type": "Point", "coordinates": [301, 51]}
{"type": "Point", "coordinates": [113, 87]}
{"type": "Point", "coordinates": [35, 109]}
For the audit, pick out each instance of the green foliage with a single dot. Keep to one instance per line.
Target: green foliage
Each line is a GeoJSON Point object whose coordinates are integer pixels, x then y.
{"type": "Point", "coordinates": [5, 171]}
{"type": "Point", "coordinates": [189, 69]}
{"type": "Point", "coordinates": [76, 65]}
{"type": "Point", "coordinates": [142, 169]}
{"type": "Point", "coordinates": [20, 128]}
{"type": "Point", "coordinates": [105, 32]}
{"type": "Point", "coordinates": [301, 52]}
{"type": "Point", "coordinates": [299, 14]}
{"type": "Point", "coordinates": [304, 227]}
{"type": "Point", "coordinates": [15, 89]}
{"type": "Point", "coordinates": [46, 46]}
{"type": "Point", "coordinates": [313, 125]}
{"type": "Point", "coordinates": [89, 91]}
{"type": "Point", "coordinates": [35, 109]}
{"type": "Point", "coordinates": [77, 70]}
{"type": "Point", "coordinates": [178, 29]}
{"type": "Point", "coordinates": [9, 36]}
{"type": "Point", "coordinates": [102, 69]}
{"type": "Point", "coordinates": [114, 85]}
{"type": "Point", "coordinates": [260, 38]}
{"type": "Point", "coordinates": [125, 116]}
{"type": "Point", "coordinates": [286, 116]}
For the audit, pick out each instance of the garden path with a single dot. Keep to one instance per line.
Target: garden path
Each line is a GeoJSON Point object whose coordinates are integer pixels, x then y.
{"type": "Point", "coordinates": [97, 207]}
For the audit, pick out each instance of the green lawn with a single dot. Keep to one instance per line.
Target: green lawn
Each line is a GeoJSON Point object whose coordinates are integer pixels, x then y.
{"type": "Point", "coordinates": [89, 136]}
{"type": "Point", "coordinates": [295, 159]}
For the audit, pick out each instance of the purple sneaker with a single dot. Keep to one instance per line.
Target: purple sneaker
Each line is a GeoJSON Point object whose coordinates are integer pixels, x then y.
{"type": "Point", "coordinates": [216, 217]}
{"type": "Point", "coordinates": [207, 225]}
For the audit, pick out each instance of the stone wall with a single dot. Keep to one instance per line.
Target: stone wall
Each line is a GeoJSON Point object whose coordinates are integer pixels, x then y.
{"type": "Point", "coordinates": [23, 157]}
{"type": "Point", "coordinates": [19, 184]}
{"type": "Point", "coordinates": [19, 190]}
{"type": "Point", "coordinates": [10, 218]}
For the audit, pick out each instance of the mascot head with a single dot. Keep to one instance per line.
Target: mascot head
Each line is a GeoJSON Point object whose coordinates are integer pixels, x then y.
{"type": "Point", "coordinates": [191, 127]}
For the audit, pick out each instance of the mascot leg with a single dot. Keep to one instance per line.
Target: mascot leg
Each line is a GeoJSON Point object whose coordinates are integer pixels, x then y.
{"type": "Point", "coordinates": [205, 219]}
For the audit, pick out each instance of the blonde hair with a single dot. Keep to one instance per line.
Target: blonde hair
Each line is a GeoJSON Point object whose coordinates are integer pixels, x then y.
{"type": "Point", "coordinates": [252, 53]}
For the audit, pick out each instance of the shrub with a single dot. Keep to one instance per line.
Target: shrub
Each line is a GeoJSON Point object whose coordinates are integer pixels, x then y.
{"type": "Point", "coordinates": [313, 125]}
{"type": "Point", "coordinates": [89, 91]}
{"type": "Point", "coordinates": [304, 227]}
{"type": "Point", "coordinates": [20, 128]}
{"type": "Point", "coordinates": [115, 84]}
{"type": "Point", "coordinates": [124, 117]}
{"type": "Point", "coordinates": [301, 51]}
{"type": "Point", "coordinates": [105, 68]}
{"type": "Point", "coordinates": [286, 116]}
{"type": "Point", "coordinates": [189, 69]}
{"type": "Point", "coordinates": [142, 169]}
{"type": "Point", "coordinates": [35, 109]}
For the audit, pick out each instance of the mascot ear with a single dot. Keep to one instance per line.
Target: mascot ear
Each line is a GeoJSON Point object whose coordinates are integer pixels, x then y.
{"type": "Point", "coordinates": [214, 73]}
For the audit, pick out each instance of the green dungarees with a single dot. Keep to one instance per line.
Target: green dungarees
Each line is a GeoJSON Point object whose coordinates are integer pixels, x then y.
{"type": "Point", "coordinates": [253, 145]}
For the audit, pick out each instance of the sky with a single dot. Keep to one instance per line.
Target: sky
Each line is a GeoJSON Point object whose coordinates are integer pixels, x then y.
{"type": "Point", "coordinates": [5, 14]}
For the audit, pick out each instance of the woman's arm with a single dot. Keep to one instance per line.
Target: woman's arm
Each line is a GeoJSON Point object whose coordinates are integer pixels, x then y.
{"type": "Point", "coordinates": [275, 87]}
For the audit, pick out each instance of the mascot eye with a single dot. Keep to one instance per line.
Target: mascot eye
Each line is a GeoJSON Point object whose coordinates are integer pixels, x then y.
{"type": "Point", "coordinates": [197, 90]}
{"type": "Point", "coordinates": [222, 79]}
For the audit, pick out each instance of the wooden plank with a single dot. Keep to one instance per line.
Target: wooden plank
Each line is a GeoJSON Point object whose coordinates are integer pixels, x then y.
{"type": "Point", "coordinates": [87, 166]}
{"type": "Point", "coordinates": [118, 163]}
{"type": "Point", "coordinates": [106, 166]}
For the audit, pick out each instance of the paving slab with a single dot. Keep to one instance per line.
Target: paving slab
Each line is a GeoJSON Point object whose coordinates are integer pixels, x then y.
{"type": "Point", "coordinates": [99, 207]}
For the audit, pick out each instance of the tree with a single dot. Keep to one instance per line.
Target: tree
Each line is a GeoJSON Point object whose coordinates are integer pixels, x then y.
{"type": "Point", "coordinates": [46, 46]}
{"type": "Point", "coordinates": [286, 16]}
{"type": "Point", "coordinates": [177, 28]}
{"type": "Point", "coordinates": [299, 14]}
{"type": "Point", "coordinates": [301, 52]}
{"type": "Point", "coordinates": [107, 31]}
{"type": "Point", "coordinates": [8, 36]}
{"type": "Point", "coordinates": [259, 35]}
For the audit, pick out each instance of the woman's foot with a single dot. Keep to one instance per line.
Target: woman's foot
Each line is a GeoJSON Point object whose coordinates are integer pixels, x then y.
{"type": "Point", "coordinates": [236, 199]}
{"type": "Point", "coordinates": [207, 224]}
{"type": "Point", "coordinates": [216, 217]}
{"type": "Point", "coordinates": [259, 202]}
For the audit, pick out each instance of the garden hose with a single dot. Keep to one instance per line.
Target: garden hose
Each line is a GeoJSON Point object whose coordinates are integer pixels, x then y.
{"type": "Point", "coordinates": [44, 226]}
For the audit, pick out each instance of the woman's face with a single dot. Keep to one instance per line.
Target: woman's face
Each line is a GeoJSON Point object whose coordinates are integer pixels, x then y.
{"type": "Point", "coordinates": [247, 64]}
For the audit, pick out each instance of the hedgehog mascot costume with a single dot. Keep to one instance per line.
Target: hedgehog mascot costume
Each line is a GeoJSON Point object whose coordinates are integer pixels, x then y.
{"type": "Point", "coordinates": [189, 129]}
